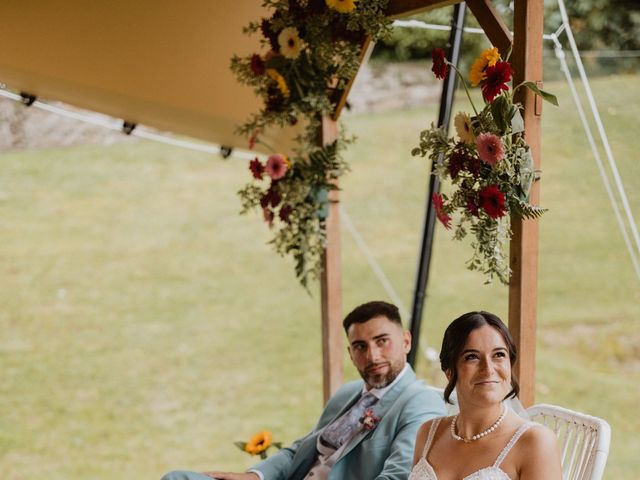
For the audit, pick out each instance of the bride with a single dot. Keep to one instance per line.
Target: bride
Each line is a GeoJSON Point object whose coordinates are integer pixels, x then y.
{"type": "Point", "coordinates": [486, 440]}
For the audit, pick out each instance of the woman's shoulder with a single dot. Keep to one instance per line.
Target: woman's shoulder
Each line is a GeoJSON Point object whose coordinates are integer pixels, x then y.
{"type": "Point", "coordinates": [538, 441]}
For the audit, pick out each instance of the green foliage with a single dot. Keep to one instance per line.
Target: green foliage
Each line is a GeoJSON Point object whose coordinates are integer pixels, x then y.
{"type": "Point", "coordinates": [302, 79]}
{"type": "Point", "coordinates": [488, 188]}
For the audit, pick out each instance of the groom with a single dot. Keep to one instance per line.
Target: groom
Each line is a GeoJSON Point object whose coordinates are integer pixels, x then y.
{"type": "Point", "coordinates": [368, 428]}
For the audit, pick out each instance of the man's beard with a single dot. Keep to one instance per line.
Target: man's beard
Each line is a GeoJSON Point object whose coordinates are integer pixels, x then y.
{"type": "Point", "coordinates": [376, 380]}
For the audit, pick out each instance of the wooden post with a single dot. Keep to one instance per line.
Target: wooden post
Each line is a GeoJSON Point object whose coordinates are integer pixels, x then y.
{"type": "Point", "coordinates": [331, 286]}
{"type": "Point", "coordinates": [527, 64]}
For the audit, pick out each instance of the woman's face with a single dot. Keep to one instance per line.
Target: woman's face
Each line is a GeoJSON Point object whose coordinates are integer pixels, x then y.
{"type": "Point", "coordinates": [484, 368]}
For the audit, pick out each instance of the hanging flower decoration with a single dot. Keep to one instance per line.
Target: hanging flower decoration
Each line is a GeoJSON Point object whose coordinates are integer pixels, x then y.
{"type": "Point", "coordinates": [310, 52]}
{"type": "Point", "coordinates": [489, 163]}
{"type": "Point", "coordinates": [259, 444]}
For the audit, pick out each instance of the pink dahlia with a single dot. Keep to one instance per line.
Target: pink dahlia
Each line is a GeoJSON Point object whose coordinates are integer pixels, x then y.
{"type": "Point", "coordinates": [268, 216]}
{"type": "Point", "coordinates": [492, 201]}
{"type": "Point", "coordinates": [490, 148]}
{"type": "Point", "coordinates": [440, 66]}
{"type": "Point", "coordinates": [438, 205]}
{"type": "Point", "coordinates": [257, 169]}
{"type": "Point", "coordinates": [277, 166]}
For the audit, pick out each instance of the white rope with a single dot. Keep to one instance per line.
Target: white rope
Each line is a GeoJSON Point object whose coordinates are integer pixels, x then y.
{"type": "Point", "coordinates": [596, 116]}
{"type": "Point", "coordinates": [603, 174]}
{"type": "Point", "coordinates": [373, 263]}
{"type": "Point", "coordinates": [116, 125]}
{"type": "Point", "coordinates": [433, 26]}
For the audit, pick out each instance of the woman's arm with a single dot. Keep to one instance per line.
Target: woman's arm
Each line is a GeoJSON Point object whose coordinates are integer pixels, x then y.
{"type": "Point", "coordinates": [540, 455]}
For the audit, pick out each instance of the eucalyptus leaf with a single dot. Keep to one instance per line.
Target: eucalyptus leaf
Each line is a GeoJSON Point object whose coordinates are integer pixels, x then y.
{"type": "Point", "coordinates": [544, 95]}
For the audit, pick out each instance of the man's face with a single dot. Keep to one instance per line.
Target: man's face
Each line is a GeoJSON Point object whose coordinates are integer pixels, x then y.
{"type": "Point", "coordinates": [378, 348]}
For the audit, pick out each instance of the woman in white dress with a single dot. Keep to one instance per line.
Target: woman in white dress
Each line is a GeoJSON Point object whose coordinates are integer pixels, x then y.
{"type": "Point", "coordinates": [486, 440]}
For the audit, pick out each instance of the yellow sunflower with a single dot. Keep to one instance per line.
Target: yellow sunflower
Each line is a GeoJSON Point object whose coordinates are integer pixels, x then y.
{"type": "Point", "coordinates": [462, 122]}
{"type": "Point", "coordinates": [342, 6]}
{"type": "Point", "coordinates": [488, 58]}
{"type": "Point", "coordinates": [279, 79]}
{"type": "Point", "coordinates": [290, 43]}
{"type": "Point", "coordinates": [258, 443]}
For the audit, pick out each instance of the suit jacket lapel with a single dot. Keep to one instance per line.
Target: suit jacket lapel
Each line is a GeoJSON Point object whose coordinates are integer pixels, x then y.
{"type": "Point", "coordinates": [382, 407]}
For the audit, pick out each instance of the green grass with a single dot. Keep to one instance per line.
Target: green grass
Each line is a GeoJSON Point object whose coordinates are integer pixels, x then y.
{"type": "Point", "coordinates": [145, 325]}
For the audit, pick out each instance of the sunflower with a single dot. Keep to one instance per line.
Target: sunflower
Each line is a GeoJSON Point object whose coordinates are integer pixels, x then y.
{"type": "Point", "coordinates": [258, 443]}
{"type": "Point", "coordinates": [290, 43]}
{"type": "Point", "coordinates": [280, 81]}
{"type": "Point", "coordinates": [342, 6]}
{"type": "Point", "coordinates": [488, 58]}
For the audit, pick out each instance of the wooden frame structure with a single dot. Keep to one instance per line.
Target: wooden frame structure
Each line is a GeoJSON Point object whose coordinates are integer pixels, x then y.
{"type": "Point", "coordinates": [526, 58]}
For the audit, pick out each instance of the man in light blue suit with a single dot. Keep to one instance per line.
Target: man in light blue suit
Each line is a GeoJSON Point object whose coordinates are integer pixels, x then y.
{"type": "Point", "coordinates": [368, 428]}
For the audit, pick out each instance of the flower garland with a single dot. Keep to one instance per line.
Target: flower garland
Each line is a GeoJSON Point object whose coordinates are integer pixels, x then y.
{"type": "Point", "coordinates": [490, 164]}
{"type": "Point", "coordinates": [312, 51]}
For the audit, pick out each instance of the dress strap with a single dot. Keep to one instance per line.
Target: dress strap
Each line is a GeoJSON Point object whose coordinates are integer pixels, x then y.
{"type": "Point", "coordinates": [516, 436]}
{"type": "Point", "coordinates": [432, 432]}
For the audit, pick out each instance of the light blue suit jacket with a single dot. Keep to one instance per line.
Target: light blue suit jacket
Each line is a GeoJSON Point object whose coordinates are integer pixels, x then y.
{"type": "Point", "coordinates": [386, 452]}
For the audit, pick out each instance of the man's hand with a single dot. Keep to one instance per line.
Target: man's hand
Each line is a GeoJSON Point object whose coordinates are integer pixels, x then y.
{"type": "Point", "coordinates": [232, 476]}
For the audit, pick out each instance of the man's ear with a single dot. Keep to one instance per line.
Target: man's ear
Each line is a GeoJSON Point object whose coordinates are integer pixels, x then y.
{"type": "Point", "coordinates": [406, 341]}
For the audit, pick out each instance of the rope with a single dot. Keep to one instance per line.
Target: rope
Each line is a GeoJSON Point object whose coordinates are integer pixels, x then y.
{"type": "Point", "coordinates": [116, 125]}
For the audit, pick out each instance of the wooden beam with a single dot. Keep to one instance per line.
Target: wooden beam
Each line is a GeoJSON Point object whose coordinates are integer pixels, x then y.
{"type": "Point", "coordinates": [492, 24]}
{"type": "Point", "coordinates": [404, 8]}
{"type": "Point", "coordinates": [331, 286]}
{"type": "Point", "coordinates": [523, 289]}
{"type": "Point", "coordinates": [365, 53]}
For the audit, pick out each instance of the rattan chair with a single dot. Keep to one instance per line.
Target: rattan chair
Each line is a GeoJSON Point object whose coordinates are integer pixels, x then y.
{"type": "Point", "coordinates": [584, 440]}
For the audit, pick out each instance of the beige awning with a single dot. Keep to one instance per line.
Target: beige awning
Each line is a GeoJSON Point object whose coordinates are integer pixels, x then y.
{"type": "Point", "coordinates": [154, 62]}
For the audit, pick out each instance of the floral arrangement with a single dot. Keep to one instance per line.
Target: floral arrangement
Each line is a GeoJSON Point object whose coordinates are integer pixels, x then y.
{"type": "Point", "coordinates": [489, 163]}
{"type": "Point", "coordinates": [259, 444]}
{"type": "Point", "coordinates": [311, 51]}
{"type": "Point", "coordinates": [369, 420]}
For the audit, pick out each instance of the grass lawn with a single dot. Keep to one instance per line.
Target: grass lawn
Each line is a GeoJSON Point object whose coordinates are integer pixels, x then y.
{"type": "Point", "coordinates": [145, 325]}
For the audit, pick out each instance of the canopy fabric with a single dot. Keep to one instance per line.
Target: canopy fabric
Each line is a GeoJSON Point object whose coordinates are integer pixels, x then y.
{"type": "Point", "coordinates": [155, 62]}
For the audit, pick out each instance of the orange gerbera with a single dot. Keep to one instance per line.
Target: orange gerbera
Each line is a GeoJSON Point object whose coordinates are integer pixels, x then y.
{"type": "Point", "coordinates": [258, 443]}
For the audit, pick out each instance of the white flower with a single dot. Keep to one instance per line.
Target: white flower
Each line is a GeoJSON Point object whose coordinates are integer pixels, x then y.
{"type": "Point", "coordinates": [290, 43]}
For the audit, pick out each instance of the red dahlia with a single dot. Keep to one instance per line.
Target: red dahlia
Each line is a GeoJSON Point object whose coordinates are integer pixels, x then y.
{"type": "Point", "coordinates": [440, 66]}
{"type": "Point", "coordinates": [257, 169]}
{"type": "Point", "coordinates": [438, 205]}
{"type": "Point", "coordinates": [495, 80]}
{"type": "Point", "coordinates": [492, 201]}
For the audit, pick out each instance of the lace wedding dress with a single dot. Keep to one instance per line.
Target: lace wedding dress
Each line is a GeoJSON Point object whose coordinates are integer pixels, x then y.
{"type": "Point", "coordinates": [423, 471]}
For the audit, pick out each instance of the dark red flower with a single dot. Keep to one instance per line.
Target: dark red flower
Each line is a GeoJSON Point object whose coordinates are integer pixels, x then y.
{"type": "Point", "coordinates": [472, 206]}
{"type": "Point", "coordinates": [269, 34]}
{"type": "Point", "coordinates": [438, 205]}
{"type": "Point", "coordinates": [257, 64]}
{"type": "Point", "coordinates": [473, 165]}
{"type": "Point", "coordinates": [272, 197]}
{"type": "Point", "coordinates": [285, 213]}
{"type": "Point", "coordinates": [257, 169]}
{"type": "Point", "coordinates": [440, 66]}
{"type": "Point", "coordinates": [496, 80]}
{"type": "Point", "coordinates": [492, 201]}
{"type": "Point", "coordinates": [457, 162]}
{"type": "Point", "coordinates": [275, 101]}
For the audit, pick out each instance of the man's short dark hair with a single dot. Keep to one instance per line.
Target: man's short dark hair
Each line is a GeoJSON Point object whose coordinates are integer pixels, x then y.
{"type": "Point", "coordinates": [365, 312]}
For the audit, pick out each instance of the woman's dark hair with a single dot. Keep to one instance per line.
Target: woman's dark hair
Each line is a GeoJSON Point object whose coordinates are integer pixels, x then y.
{"type": "Point", "coordinates": [455, 338]}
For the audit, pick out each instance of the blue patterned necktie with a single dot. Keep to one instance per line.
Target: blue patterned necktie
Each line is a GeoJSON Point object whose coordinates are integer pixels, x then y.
{"type": "Point", "coordinates": [342, 429]}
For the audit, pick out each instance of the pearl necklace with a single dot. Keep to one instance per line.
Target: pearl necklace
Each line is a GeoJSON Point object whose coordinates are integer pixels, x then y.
{"type": "Point", "coordinates": [481, 434]}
